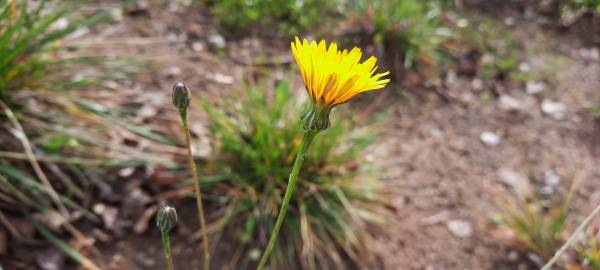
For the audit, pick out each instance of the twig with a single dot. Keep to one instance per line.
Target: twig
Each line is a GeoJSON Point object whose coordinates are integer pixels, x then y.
{"type": "Point", "coordinates": [13, 231]}
{"type": "Point", "coordinates": [572, 239]}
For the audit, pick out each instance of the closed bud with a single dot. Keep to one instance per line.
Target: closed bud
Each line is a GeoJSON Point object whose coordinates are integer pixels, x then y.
{"type": "Point", "coordinates": [181, 97]}
{"type": "Point", "coordinates": [315, 117]}
{"type": "Point", "coordinates": [166, 218]}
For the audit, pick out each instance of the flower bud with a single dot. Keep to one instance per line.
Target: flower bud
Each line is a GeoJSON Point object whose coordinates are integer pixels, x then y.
{"type": "Point", "coordinates": [315, 117]}
{"type": "Point", "coordinates": [166, 218]}
{"type": "Point", "coordinates": [181, 97]}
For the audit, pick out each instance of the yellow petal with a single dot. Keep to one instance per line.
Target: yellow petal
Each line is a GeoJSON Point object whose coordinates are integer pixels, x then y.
{"type": "Point", "coordinates": [333, 77]}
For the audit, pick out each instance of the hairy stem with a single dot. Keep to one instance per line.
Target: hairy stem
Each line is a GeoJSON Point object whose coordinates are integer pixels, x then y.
{"type": "Point", "coordinates": [198, 193]}
{"type": "Point", "coordinates": [167, 249]}
{"type": "Point", "coordinates": [306, 141]}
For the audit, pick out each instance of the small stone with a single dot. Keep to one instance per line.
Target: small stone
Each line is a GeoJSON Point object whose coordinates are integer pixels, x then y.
{"type": "Point", "coordinates": [460, 228]}
{"type": "Point", "coordinates": [116, 14]}
{"type": "Point", "coordinates": [554, 109]}
{"type": "Point", "coordinates": [217, 41]}
{"type": "Point", "coordinates": [134, 203]}
{"type": "Point", "coordinates": [487, 58]}
{"type": "Point", "coordinates": [513, 256]}
{"type": "Point", "coordinates": [509, 103]}
{"type": "Point", "coordinates": [591, 54]}
{"type": "Point", "coordinates": [60, 24]}
{"type": "Point", "coordinates": [145, 260]}
{"type": "Point", "coordinates": [108, 214]}
{"type": "Point", "coordinates": [490, 138]}
{"type": "Point", "coordinates": [400, 201]}
{"type": "Point", "coordinates": [477, 84]}
{"type": "Point", "coordinates": [436, 132]}
{"type": "Point", "coordinates": [51, 259]}
{"type": "Point", "coordinates": [194, 31]}
{"type": "Point", "coordinates": [509, 21]}
{"type": "Point", "coordinates": [516, 181]}
{"type": "Point", "coordinates": [533, 87]}
{"type": "Point", "coordinates": [451, 77]}
{"type": "Point", "coordinates": [547, 190]}
{"type": "Point", "coordinates": [125, 172]}
{"type": "Point", "coordinates": [198, 46]}
{"type": "Point", "coordinates": [551, 178]}
{"type": "Point", "coordinates": [524, 67]}
{"type": "Point", "coordinates": [173, 71]}
{"type": "Point", "coordinates": [462, 23]}
{"type": "Point", "coordinates": [535, 258]}
{"type": "Point", "coordinates": [222, 78]}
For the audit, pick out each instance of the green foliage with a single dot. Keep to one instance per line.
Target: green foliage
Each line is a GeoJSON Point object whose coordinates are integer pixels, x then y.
{"type": "Point", "coordinates": [538, 223]}
{"type": "Point", "coordinates": [500, 52]}
{"type": "Point", "coordinates": [409, 29]}
{"type": "Point", "coordinates": [258, 136]}
{"type": "Point", "coordinates": [590, 251]}
{"type": "Point", "coordinates": [271, 16]}
{"type": "Point", "coordinates": [29, 34]}
{"type": "Point", "coordinates": [44, 104]}
{"type": "Point", "coordinates": [581, 5]}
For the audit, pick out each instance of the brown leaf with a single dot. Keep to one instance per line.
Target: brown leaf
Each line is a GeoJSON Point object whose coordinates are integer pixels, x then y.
{"type": "Point", "coordinates": [142, 223]}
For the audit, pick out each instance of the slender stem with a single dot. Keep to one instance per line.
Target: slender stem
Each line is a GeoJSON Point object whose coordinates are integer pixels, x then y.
{"type": "Point", "coordinates": [572, 239]}
{"type": "Point", "coordinates": [167, 249]}
{"type": "Point", "coordinates": [306, 141]}
{"type": "Point", "coordinates": [198, 193]}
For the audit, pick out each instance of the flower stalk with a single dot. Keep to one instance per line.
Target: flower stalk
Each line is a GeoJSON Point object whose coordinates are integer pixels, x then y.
{"type": "Point", "coordinates": [166, 242]}
{"type": "Point", "coordinates": [181, 100]}
{"type": "Point", "coordinates": [289, 191]}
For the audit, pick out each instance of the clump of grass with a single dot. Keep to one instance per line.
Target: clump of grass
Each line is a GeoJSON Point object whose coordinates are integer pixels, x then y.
{"type": "Point", "coordinates": [498, 51]}
{"type": "Point", "coordinates": [539, 221]}
{"type": "Point", "coordinates": [540, 229]}
{"type": "Point", "coordinates": [411, 32]}
{"type": "Point", "coordinates": [52, 131]}
{"type": "Point", "coordinates": [30, 34]}
{"type": "Point", "coordinates": [573, 10]}
{"type": "Point", "coordinates": [589, 250]}
{"type": "Point", "coordinates": [258, 136]}
{"type": "Point", "coordinates": [271, 17]}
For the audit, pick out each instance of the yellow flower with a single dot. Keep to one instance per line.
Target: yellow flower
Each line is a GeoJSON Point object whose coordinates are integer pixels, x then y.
{"type": "Point", "coordinates": [332, 77]}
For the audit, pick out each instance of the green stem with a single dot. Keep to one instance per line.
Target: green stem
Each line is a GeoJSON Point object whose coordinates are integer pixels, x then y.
{"type": "Point", "coordinates": [306, 141]}
{"type": "Point", "coordinates": [167, 249]}
{"type": "Point", "coordinates": [198, 193]}
{"type": "Point", "coordinates": [571, 239]}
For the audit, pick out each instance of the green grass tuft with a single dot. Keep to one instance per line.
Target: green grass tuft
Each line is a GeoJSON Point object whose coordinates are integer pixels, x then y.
{"type": "Point", "coordinates": [258, 136]}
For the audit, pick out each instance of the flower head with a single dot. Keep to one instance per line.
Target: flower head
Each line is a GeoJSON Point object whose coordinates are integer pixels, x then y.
{"type": "Point", "coordinates": [166, 218]}
{"type": "Point", "coordinates": [181, 98]}
{"type": "Point", "coordinates": [332, 77]}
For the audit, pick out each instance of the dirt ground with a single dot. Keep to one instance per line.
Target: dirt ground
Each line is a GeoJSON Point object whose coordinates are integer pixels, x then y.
{"type": "Point", "coordinates": [438, 172]}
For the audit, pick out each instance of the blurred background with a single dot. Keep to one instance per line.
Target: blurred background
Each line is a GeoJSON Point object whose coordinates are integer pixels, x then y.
{"type": "Point", "coordinates": [482, 153]}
